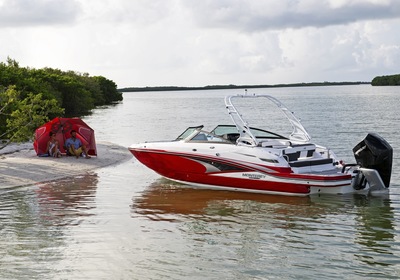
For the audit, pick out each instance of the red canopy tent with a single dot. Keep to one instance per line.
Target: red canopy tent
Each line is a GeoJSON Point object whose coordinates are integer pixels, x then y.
{"type": "Point", "coordinates": [62, 128]}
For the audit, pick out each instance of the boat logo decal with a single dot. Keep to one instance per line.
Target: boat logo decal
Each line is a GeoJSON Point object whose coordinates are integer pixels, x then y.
{"type": "Point", "coordinates": [253, 176]}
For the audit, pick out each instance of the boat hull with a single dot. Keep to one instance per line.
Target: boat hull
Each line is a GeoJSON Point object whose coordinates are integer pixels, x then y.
{"type": "Point", "coordinates": [227, 174]}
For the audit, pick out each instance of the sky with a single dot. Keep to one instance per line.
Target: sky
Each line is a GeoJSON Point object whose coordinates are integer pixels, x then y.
{"type": "Point", "coordinates": [138, 43]}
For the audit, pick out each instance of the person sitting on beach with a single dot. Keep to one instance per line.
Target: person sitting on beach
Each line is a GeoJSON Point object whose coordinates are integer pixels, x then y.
{"type": "Point", "coordinates": [75, 147]}
{"type": "Point", "coordinates": [52, 146]}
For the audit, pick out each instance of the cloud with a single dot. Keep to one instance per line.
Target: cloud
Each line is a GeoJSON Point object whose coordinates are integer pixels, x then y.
{"type": "Point", "coordinates": [259, 15]}
{"type": "Point", "coordinates": [28, 13]}
{"type": "Point", "coordinates": [196, 43]}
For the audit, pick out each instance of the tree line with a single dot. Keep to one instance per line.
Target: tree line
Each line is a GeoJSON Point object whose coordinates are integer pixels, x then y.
{"type": "Point", "coordinates": [30, 97]}
{"type": "Point", "coordinates": [215, 87]}
{"type": "Point", "coordinates": [389, 80]}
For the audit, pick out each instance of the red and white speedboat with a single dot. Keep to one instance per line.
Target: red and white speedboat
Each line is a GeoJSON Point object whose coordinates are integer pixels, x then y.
{"type": "Point", "coordinates": [243, 158]}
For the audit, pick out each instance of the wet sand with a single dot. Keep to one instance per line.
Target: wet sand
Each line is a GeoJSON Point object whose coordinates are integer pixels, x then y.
{"type": "Point", "coordinates": [20, 166]}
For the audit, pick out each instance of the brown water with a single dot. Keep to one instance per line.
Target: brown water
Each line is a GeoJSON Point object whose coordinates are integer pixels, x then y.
{"type": "Point", "coordinates": [125, 222]}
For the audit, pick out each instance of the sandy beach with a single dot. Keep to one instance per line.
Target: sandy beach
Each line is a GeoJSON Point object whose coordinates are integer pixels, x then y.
{"type": "Point", "coordinates": [20, 166]}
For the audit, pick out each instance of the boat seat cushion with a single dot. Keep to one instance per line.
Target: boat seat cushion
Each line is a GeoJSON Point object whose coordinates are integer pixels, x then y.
{"type": "Point", "coordinates": [299, 151]}
{"type": "Point", "coordinates": [232, 137]}
{"type": "Point", "coordinates": [275, 143]}
{"type": "Point", "coordinates": [304, 163]}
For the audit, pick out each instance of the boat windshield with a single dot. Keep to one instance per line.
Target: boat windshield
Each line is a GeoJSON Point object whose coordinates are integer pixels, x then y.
{"type": "Point", "coordinates": [196, 134]}
{"type": "Point", "coordinates": [189, 131]}
{"type": "Point", "coordinates": [223, 130]}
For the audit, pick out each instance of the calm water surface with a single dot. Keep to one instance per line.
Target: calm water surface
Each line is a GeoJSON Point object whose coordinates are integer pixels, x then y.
{"type": "Point", "coordinates": [125, 222]}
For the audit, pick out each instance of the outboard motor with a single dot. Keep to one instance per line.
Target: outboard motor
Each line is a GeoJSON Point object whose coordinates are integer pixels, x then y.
{"type": "Point", "coordinates": [374, 155]}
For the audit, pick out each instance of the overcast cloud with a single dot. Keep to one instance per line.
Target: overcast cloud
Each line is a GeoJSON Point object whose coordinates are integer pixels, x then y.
{"type": "Point", "coordinates": [27, 13]}
{"type": "Point", "coordinates": [197, 43]}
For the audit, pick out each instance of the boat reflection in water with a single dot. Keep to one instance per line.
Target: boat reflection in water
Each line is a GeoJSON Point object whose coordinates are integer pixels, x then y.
{"type": "Point", "coordinates": [300, 222]}
{"type": "Point", "coordinates": [167, 197]}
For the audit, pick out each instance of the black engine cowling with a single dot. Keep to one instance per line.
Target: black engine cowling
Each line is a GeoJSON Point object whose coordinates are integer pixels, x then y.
{"type": "Point", "coordinates": [374, 152]}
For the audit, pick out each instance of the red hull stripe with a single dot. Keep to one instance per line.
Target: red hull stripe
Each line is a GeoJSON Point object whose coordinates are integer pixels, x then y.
{"type": "Point", "coordinates": [240, 165]}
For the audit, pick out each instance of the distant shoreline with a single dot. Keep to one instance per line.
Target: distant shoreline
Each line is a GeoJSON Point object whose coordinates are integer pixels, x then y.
{"type": "Point", "coordinates": [214, 87]}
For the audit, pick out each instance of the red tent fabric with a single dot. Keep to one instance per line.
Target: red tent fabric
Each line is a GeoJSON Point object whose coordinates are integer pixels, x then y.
{"type": "Point", "coordinates": [62, 128]}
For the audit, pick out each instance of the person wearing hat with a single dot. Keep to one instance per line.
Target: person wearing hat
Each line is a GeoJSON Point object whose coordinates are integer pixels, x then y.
{"type": "Point", "coordinates": [75, 147]}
